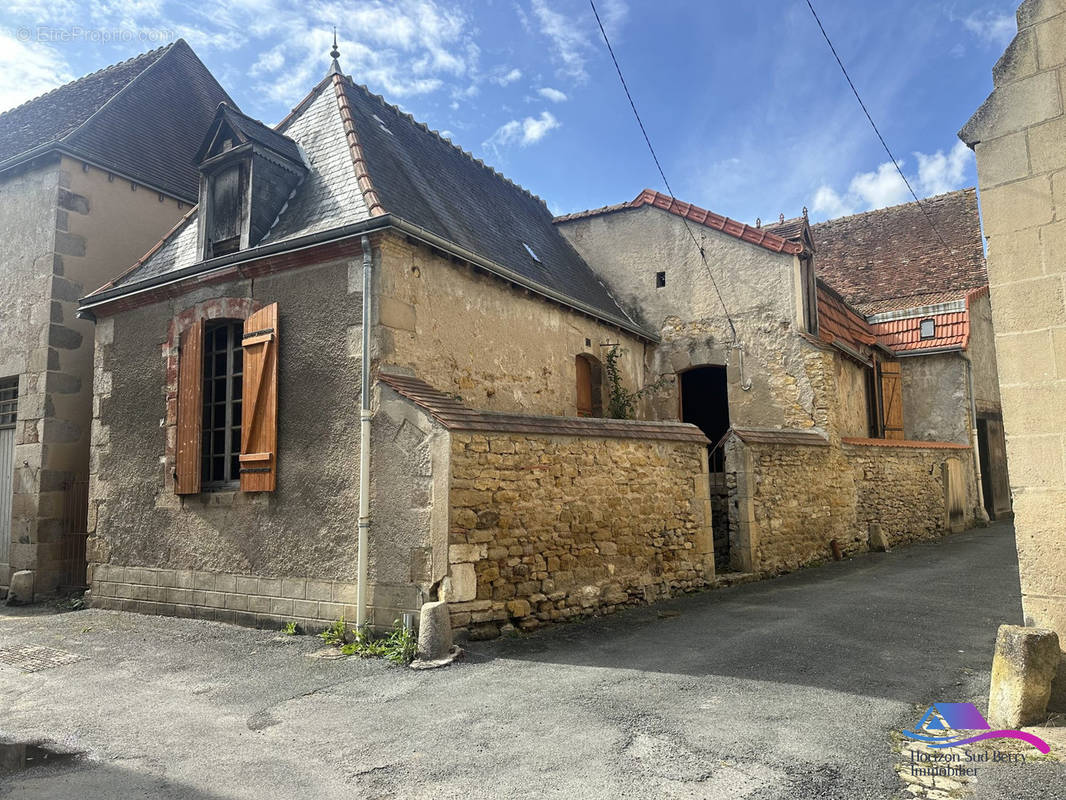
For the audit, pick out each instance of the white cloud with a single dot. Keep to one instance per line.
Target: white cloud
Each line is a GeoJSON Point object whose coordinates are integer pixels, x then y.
{"type": "Point", "coordinates": [941, 173]}
{"type": "Point", "coordinates": [28, 70]}
{"type": "Point", "coordinates": [503, 78]}
{"type": "Point", "coordinates": [526, 132]}
{"type": "Point", "coordinates": [996, 29]}
{"type": "Point", "coordinates": [569, 40]}
{"type": "Point", "coordinates": [937, 173]}
{"type": "Point", "coordinates": [554, 95]}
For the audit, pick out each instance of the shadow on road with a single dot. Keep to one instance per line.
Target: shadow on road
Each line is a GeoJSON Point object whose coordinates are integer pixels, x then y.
{"type": "Point", "coordinates": [882, 625]}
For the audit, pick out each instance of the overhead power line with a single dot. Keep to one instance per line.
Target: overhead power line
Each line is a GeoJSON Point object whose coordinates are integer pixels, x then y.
{"type": "Point", "coordinates": [873, 125]}
{"type": "Point", "coordinates": [662, 174]}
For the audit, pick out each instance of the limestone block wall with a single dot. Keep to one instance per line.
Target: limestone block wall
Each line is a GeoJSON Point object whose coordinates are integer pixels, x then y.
{"type": "Point", "coordinates": [789, 501]}
{"type": "Point", "coordinates": [545, 528]}
{"type": "Point", "coordinates": [1019, 136]}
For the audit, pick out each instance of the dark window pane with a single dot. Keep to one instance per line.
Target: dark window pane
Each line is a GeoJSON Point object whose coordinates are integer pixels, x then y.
{"type": "Point", "coordinates": [238, 359]}
{"type": "Point", "coordinates": [235, 467]}
{"type": "Point", "coordinates": [219, 442]}
{"type": "Point", "coordinates": [220, 364]}
{"type": "Point", "coordinates": [235, 440]}
{"type": "Point", "coordinates": [238, 385]}
{"type": "Point", "coordinates": [218, 465]}
{"type": "Point", "coordinates": [220, 416]}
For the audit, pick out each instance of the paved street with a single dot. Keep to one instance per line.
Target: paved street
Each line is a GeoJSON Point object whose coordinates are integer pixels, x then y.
{"type": "Point", "coordinates": [789, 688]}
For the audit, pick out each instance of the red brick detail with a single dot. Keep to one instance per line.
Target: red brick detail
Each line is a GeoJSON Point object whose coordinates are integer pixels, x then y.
{"type": "Point", "coordinates": [216, 308]}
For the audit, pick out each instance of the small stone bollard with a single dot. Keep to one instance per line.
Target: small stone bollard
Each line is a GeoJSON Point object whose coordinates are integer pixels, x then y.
{"type": "Point", "coordinates": [20, 590]}
{"type": "Point", "coordinates": [434, 632]}
{"type": "Point", "coordinates": [1024, 665]}
{"type": "Point", "coordinates": [878, 539]}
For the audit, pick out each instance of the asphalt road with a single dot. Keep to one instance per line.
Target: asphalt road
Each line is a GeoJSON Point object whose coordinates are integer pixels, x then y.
{"type": "Point", "coordinates": [790, 688]}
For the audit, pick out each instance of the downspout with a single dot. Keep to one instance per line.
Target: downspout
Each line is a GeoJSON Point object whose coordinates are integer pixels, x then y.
{"type": "Point", "coordinates": [975, 444]}
{"type": "Point", "coordinates": [364, 446]}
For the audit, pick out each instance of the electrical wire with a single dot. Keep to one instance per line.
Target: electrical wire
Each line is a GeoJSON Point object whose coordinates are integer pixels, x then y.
{"type": "Point", "coordinates": [662, 174]}
{"type": "Point", "coordinates": [873, 125]}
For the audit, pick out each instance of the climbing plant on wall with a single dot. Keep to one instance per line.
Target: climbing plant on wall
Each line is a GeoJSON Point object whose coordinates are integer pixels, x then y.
{"type": "Point", "coordinates": [622, 403]}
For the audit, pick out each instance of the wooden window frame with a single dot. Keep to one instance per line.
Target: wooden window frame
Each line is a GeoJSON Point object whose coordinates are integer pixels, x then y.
{"type": "Point", "coordinates": [9, 402]}
{"type": "Point", "coordinates": [230, 477]}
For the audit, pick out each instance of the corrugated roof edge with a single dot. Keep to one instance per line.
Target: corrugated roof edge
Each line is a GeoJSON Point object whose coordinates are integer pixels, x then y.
{"type": "Point", "coordinates": [701, 216]}
{"type": "Point", "coordinates": [454, 415]}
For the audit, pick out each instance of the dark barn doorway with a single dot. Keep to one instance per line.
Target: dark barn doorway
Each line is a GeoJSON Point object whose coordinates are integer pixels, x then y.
{"type": "Point", "coordinates": [705, 403]}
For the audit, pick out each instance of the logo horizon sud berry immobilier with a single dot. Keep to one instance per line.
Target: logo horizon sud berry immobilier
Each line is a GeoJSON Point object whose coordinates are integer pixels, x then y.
{"type": "Point", "coordinates": [953, 717]}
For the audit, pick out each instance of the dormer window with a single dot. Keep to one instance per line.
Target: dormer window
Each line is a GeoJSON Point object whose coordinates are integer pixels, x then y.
{"type": "Point", "coordinates": [928, 330]}
{"type": "Point", "coordinates": [225, 218]}
{"type": "Point", "coordinates": [247, 172]}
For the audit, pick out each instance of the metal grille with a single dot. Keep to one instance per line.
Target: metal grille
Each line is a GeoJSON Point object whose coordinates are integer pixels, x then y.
{"type": "Point", "coordinates": [9, 400]}
{"type": "Point", "coordinates": [31, 658]}
{"type": "Point", "coordinates": [75, 534]}
{"type": "Point", "coordinates": [223, 364]}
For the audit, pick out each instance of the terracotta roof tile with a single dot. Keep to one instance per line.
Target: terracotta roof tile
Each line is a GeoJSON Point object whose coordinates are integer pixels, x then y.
{"type": "Point", "coordinates": [649, 197]}
{"type": "Point", "coordinates": [454, 415]}
{"type": "Point", "coordinates": [885, 259]}
{"type": "Point", "coordinates": [838, 322]}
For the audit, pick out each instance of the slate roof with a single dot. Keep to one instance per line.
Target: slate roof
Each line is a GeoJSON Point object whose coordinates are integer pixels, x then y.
{"type": "Point", "coordinates": [367, 158]}
{"type": "Point", "coordinates": [255, 131]}
{"type": "Point", "coordinates": [454, 415]}
{"type": "Point", "coordinates": [144, 118]}
{"type": "Point", "coordinates": [649, 197]}
{"type": "Point", "coordinates": [892, 258]}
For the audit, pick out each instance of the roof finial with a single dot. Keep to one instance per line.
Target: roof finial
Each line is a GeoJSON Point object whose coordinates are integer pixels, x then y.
{"type": "Point", "coordinates": [758, 222]}
{"type": "Point", "coordinates": [335, 66]}
{"type": "Point", "coordinates": [805, 212]}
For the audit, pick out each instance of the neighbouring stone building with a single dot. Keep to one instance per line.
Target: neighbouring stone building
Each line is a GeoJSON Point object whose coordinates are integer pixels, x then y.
{"type": "Point", "coordinates": [91, 174]}
{"type": "Point", "coordinates": [225, 466]}
{"type": "Point", "coordinates": [1019, 136]}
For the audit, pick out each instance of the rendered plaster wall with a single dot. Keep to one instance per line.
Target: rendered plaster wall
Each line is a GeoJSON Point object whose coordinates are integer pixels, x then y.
{"type": "Point", "coordinates": [545, 528]}
{"type": "Point", "coordinates": [627, 249]}
{"type": "Point", "coordinates": [982, 354]}
{"type": "Point", "coordinates": [793, 500]}
{"type": "Point", "coordinates": [65, 230]}
{"type": "Point", "coordinates": [936, 398]}
{"type": "Point", "coordinates": [1019, 135]}
{"type": "Point", "coordinates": [293, 549]}
{"type": "Point", "coordinates": [497, 347]}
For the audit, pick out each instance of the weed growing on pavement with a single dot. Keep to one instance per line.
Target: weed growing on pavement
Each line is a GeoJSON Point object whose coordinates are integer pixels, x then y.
{"type": "Point", "coordinates": [336, 634]}
{"type": "Point", "coordinates": [290, 628]}
{"type": "Point", "coordinates": [398, 646]}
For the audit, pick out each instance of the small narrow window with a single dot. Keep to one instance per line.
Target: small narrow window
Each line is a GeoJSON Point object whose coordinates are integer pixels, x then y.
{"type": "Point", "coordinates": [660, 280]}
{"type": "Point", "coordinates": [929, 328]}
{"type": "Point", "coordinates": [223, 364]}
{"type": "Point", "coordinates": [9, 400]}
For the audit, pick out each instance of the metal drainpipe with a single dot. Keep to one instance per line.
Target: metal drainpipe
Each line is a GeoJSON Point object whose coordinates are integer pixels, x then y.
{"type": "Point", "coordinates": [975, 444]}
{"type": "Point", "coordinates": [364, 446]}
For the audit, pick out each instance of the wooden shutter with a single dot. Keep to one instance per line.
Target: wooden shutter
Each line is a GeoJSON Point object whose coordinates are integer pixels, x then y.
{"type": "Point", "coordinates": [584, 387]}
{"type": "Point", "coordinates": [259, 412]}
{"type": "Point", "coordinates": [190, 409]}
{"type": "Point", "coordinates": [892, 399]}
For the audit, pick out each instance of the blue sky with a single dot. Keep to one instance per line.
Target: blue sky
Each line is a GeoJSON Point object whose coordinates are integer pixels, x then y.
{"type": "Point", "coordinates": [746, 107]}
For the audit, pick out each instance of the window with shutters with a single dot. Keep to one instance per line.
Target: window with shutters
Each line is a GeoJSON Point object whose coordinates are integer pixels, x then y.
{"type": "Point", "coordinates": [227, 399]}
{"type": "Point", "coordinates": [225, 212]}
{"type": "Point", "coordinates": [221, 421]}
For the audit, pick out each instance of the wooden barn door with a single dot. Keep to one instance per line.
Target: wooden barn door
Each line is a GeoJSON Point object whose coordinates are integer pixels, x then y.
{"type": "Point", "coordinates": [584, 387]}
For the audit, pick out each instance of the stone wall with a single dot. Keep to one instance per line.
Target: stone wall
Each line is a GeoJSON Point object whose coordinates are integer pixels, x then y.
{"type": "Point", "coordinates": [497, 347]}
{"type": "Point", "coordinates": [303, 531]}
{"type": "Point", "coordinates": [1019, 135]}
{"type": "Point", "coordinates": [57, 242]}
{"type": "Point", "coordinates": [545, 528]}
{"type": "Point", "coordinates": [936, 398]}
{"type": "Point", "coordinates": [777, 387]}
{"type": "Point", "coordinates": [792, 500]}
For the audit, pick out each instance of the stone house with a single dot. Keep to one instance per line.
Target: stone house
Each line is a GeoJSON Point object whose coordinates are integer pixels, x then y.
{"type": "Point", "coordinates": [239, 430]}
{"type": "Point", "coordinates": [926, 298]}
{"type": "Point", "coordinates": [1018, 136]}
{"type": "Point", "coordinates": [822, 431]}
{"type": "Point", "coordinates": [110, 152]}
